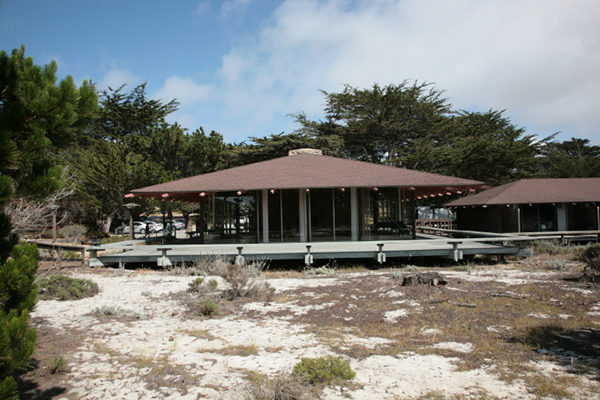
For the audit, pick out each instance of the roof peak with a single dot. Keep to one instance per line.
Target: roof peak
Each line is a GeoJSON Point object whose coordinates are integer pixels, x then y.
{"type": "Point", "coordinates": [306, 150]}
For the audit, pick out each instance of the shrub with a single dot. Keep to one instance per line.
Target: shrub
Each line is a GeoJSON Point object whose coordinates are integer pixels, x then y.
{"type": "Point", "coordinates": [58, 364]}
{"type": "Point", "coordinates": [555, 264]}
{"type": "Point", "coordinates": [281, 387]}
{"type": "Point", "coordinates": [66, 288]}
{"type": "Point", "coordinates": [396, 273]}
{"type": "Point", "coordinates": [208, 307]}
{"type": "Point", "coordinates": [324, 370]}
{"type": "Point", "coordinates": [73, 233]}
{"type": "Point", "coordinates": [243, 279]}
{"type": "Point", "coordinates": [325, 270]}
{"type": "Point", "coordinates": [109, 310]}
{"type": "Point", "coordinates": [194, 286]}
{"type": "Point", "coordinates": [591, 257]}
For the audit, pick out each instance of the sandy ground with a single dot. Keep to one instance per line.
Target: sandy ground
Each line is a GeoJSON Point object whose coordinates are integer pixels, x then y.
{"type": "Point", "coordinates": [161, 350]}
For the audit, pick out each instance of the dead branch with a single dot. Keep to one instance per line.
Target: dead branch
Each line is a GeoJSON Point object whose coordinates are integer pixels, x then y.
{"type": "Point", "coordinates": [26, 215]}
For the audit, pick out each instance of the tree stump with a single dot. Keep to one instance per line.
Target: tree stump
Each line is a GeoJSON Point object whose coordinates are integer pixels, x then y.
{"type": "Point", "coordinates": [424, 278]}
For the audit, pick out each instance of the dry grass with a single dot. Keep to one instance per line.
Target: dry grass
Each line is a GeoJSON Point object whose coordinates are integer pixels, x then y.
{"type": "Point", "coordinates": [507, 326]}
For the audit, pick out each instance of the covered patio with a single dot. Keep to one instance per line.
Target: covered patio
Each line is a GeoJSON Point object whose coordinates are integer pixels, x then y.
{"type": "Point", "coordinates": [306, 197]}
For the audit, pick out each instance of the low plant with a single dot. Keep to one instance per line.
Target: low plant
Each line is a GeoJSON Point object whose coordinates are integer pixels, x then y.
{"type": "Point", "coordinates": [280, 387]}
{"type": "Point", "coordinates": [117, 312]}
{"type": "Point", "coordinates": [208, 307]}
{"type": "Point", "coordinates": [555, 264]}
{"type": "Point", "coordinates": [550, 247]}
{"type": "Point", "coordinates": [195, 285]}
{"type": "Point", "coordinates": [591, 257]}
{"type": "Point", "coordinates": [57, 364]}
{"type": "Point", "coordinates": [324, 370]}
{"type": "Point", "coordinates": [325, 270]}
{"type": "Point", "coordinates": [110, 310]}
{"type": "Point", "coordinates": [62, 287]}
{"type": "Point", "coordinates": [411, 268]}
{"type": "Point", "coordinates": [396, 273]}
{"type": "Point", "coordinates": [243, 279]}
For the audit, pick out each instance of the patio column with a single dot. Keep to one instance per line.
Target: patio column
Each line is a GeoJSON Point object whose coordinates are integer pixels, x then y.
{"type": "Point", "coordinates": [302, 213]}
{"type": "Point", "coordinates": [354, 213]}
{"type": "Point", "coordinates": [265, 215]}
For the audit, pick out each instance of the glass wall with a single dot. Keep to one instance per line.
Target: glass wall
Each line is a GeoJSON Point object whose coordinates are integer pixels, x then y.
{"type": "Point", "coordinates": [538, 218]}
{"type": "Point", "coordinates": [343, 215]}
{"type": "Point", "coordinates": [291, 215]}
{"type": "Point", "coordinates": [275, 216]}
{"type": "Point", "coordinates": [230, 218]}
{"type": "Point", "coordinates": [383, 215]}
{"type": "Point", "coordinates": [233, 217]}
{"type": "Point", "coordinates": [321, 215]}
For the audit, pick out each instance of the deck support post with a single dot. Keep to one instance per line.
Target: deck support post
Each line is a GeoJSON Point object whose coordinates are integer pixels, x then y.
{"type": "Point", "coordinates": [456, 254]}
{"type": "Point", "coordinates": [381, 254]}
{"type": "Point", "coordinates": [163, 261]}
{"type": "Point", "coordinates": [308, 258]}
{"type": "Point", "coordinates": [93, 259]}
{"type": "Point", "coordinates": [239, 259]}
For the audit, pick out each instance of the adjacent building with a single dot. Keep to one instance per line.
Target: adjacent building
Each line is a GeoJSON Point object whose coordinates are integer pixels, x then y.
{"type": "Point", "coordinates": [532, 205]}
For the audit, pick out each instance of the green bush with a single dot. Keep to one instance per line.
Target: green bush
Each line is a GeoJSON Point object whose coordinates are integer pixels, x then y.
{"type": "Point", "coordinates": [324, 370]}
{"type": "Point", "coordinates": [66, 288]}
{"type": "Point", "coordinates": [194, 286]}
{"type": "Point", "coordinates": [208, 307]}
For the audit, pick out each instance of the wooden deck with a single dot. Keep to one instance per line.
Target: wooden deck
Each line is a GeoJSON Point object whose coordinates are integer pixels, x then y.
{"type": "Point", "coordinates": [381, 251]}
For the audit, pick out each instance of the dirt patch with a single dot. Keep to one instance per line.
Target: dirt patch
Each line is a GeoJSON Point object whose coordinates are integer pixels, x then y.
{"type": "Point", "coordinates": [493, 332]}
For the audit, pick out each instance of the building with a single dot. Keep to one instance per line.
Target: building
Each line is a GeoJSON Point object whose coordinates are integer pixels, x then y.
{"type": "Point", "coordinates": [532, 205]}
{"type": "Point", "coordinates": [306, 197]}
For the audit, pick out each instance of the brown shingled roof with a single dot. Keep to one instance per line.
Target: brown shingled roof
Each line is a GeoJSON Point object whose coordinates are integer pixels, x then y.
{"type": "Point", "coordinates": [307, 171]}
{"type": "Point", "coordinates": [530, 191]}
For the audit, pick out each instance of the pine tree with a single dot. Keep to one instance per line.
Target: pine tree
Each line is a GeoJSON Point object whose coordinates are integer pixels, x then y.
{"type": "Point", "coordinates": [38, 119]}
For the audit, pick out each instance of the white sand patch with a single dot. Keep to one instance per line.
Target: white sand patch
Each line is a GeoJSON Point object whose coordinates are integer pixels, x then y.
{"type": "Point", "coordinates": [499, 328]}
{"type": "Point", "coordinates": [540, 316]}
{"type": "Point", "coordinates": [430, 332]}
{"type": "Point", "coordinates": [113, 358]}
{"type": "Point", "coordinates": [391, 294]}
{"type": "Point", "coordinates": [392, 316]}
{"type": "Point", "coordinates": [460, 347]}
{"type": "Point", "coordinates": [387, 377]}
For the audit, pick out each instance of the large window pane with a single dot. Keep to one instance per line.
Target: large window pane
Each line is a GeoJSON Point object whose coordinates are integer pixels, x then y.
{"type": "Point", "coordinates": [291, 216]}
{"type": "Point", "coordinates": [321, 212]}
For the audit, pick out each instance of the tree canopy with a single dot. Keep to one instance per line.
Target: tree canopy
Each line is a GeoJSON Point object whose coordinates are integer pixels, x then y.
{"type": "Point", "coordinates": [130, 145]}
{"type": "Point", "coordinates": [39, 117]}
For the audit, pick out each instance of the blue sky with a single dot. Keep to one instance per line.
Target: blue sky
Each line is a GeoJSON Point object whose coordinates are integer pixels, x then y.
{"type": "Point", "coordinates": [240, 67]}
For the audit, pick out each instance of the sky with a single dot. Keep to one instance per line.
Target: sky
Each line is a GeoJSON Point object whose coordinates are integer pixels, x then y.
{"type": "Point", "coordinates": [242, 67]}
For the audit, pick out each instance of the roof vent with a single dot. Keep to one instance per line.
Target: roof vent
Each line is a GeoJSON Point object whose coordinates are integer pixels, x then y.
{"type": "Point", "coordinates": [305, 151]}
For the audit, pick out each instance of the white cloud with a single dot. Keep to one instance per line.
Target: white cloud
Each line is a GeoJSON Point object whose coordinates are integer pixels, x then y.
{"type": "Point", "coordinates": [537, 59]}
{"type": "Point", "coordinates": [115, 78]}
{"type": "Point", "coordinates": [185, 90]}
